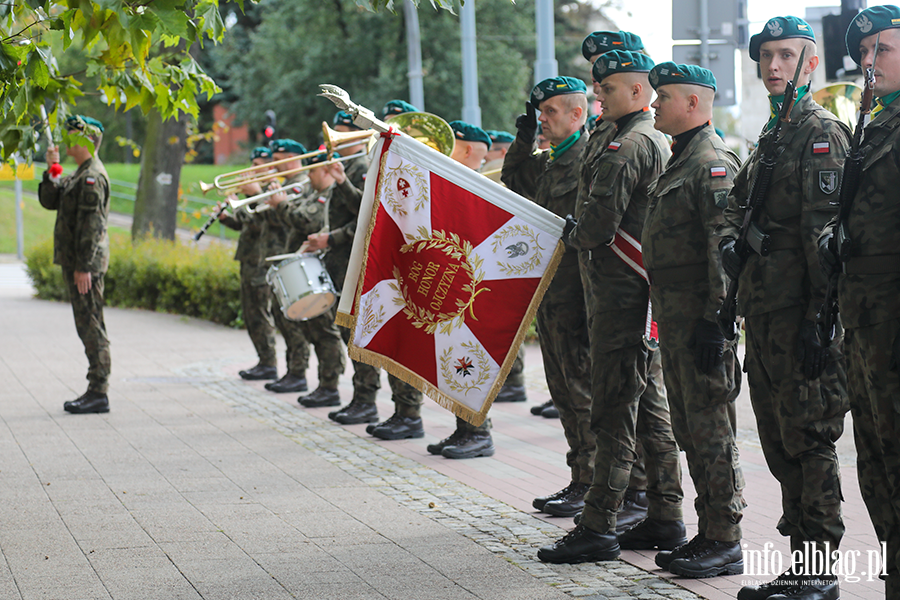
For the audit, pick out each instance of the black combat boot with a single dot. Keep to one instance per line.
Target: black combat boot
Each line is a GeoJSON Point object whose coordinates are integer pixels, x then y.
{"type": "Point", "coordinates": [355, 413]}
{"type": "Point", "coordinates": [581, 545]}
{"type": "Point", "coordinates": [710, 558]}
{"type": "Point", "coordinates": [633, 511]}
{"type": "Point", "coordinates": [811, 587]}
{"type": "Point", "coordinates": [259, 372]}
{"type": "Point", "coordinates": [288, 383]}
{"type": "Point", "coordinates": [538, 409]}
{"type": "Point", "coordinates": [569, 505]}
{"type": "Point", "coordinates": [88, 402]}
{"type": "Point", "coordinates": [511, 393]}
{"type": "Point", "coordinates": [320, 397]}
{"type": "Point", "coordinates": [450, 440]}
{"type": "Point", "coordinates": [652, 534]}
{"type": "Point", "coordinates": [540, 501]}
{"type": "Point", "coordinates": [664, 558]}
{"type": "Point", "coordinates": [471, 444]}
{"type": "Point", "coordinates": [778, 585]}
{"type": "Point", "coordinates": [397, 427]}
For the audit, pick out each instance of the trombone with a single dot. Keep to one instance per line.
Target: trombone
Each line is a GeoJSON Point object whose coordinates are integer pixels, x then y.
{"type": "Point", "coordinates": [334, 140]}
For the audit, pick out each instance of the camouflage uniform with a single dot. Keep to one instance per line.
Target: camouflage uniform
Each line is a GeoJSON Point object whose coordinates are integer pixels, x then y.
{"type": "Point", "coordinates": [561, 317]}
{"type": "Point", "coordinates": [687, 283]}
{"type": "Point", "coordinates": [81, 243]}
{"type": "Point", "coordinates": [798, 420]}
{"type": "Point", "coordinates": [867, 294]}
{"type": "Point", "coordinates": [344, 210]}
{"type": "Point", "coordinates": [276, 239]}
{"type": "Point", "coordinates": [256, 298]}
{"type": "Point", "coordinates": [305, 215]}
{"type": "Point", "coordinates": [617, 298]}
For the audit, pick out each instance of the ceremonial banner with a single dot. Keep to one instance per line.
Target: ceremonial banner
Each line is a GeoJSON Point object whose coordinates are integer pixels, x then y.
{"type": "Point", "coordinates": [448, 269]}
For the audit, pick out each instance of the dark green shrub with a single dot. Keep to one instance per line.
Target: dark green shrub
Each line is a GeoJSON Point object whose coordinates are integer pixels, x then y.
{"type": "Point", "coordinates": [156, 275]}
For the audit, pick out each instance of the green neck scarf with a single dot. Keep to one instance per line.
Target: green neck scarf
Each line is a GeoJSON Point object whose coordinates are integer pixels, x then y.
{"type": "Point", "coordinates": [775, 105]}
{"type": "Point", "coordinates": [557, 151]}
{"type": "Point", "coordinates": [880, 103]}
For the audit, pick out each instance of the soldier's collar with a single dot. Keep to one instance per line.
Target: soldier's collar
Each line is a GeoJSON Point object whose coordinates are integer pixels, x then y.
{"type": "Point", "coordinates": [775, 103]}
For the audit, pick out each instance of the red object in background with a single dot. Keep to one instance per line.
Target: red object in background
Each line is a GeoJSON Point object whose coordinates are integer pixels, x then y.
{"type": "Point", "coordinates": [55, 170]}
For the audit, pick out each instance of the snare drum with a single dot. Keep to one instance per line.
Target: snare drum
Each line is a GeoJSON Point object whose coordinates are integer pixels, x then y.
{"type": "Point", "coordinates": [302, 286]}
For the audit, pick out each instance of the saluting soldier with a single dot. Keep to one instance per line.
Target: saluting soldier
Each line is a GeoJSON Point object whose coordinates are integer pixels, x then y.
{"type": "Point", "coordinates": [797, 387]}
{"type": "Point", "coordinates": [868, 285]}
{"type": "Point", "coordinates": [256, 294]}
{"type": "Point", "coordinates": [613, 213]}
{"type": "Point", "coordinates": [687, 285]}
{"type": "Point", "coordinates": [81, 248]}
{"type": "Point", "coordinates": [550, 179]}
{"type": "Point", "coordinates": [305, 215]}
{"type": "Point", "coordinates": [277, 238]}
{"type": "Point", "coordinates": [343, 212]}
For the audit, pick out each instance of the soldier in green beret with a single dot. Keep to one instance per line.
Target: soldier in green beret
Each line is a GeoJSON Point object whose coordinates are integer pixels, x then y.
{"type": "Point", "coordinates": [797, 387]}
{"type": "Point", "coordinates": [493, 160]}
{"type": "Point", "coordinates": [305, 212]}
{"type": "Point", "coordinates": [81, 248]}
{"type": "Point", "coordinates": [687, 286]}
{"type": "Point", "coordinates": [392, 108]}
{"type": "Point", "coordinates": [868, 282]}
{"type": "Point", "coordinates": [279, 239]}
{"type": "Point", "coordinates": [617, 313]}
{"type": "Point", "coordinates": [550, 179]}
{"type": "Point", "coordinates": [256, 295]}
{"type": "Point", "coordinates": [634, 507]}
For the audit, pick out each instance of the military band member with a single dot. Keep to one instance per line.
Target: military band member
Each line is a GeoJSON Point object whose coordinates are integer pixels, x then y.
{"type": "Point", "coordinates": [493, 160]}
{"type": "Point", "coordinates": [868, 284]}
{"type": "Point", "coordinates": [392, 108]}
{"type": "Point", "coordinates": [256, 294]}
{"type": "Point", "coordinates": [550, 179]}
{"type": "Point", "coordinates": [615, 208]}
{"type": "Point", "coordinates": [81, 248]}
{"type": "Point", "coordinates": [797, 387]}
{"type": "Point", "coordinates": [680, 249]}
{"type": "Point", "coordinates": [277, 240]}
{"type": "Point", "coordinates": [343, 211]}
{"type": "Point", "coordinates": [307, 214]}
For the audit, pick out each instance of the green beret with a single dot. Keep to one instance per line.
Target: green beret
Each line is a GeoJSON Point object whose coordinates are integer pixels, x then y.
{"type": "Point", "coordinates": [668, 72]}
{"type": "Point", "coordinates": [500, 137]}
{"type": "Point", "coordinates": [397, 107]}
{"type": "Point", "coordinates": [621, 61]}
{"type": "Point", "coordinates": [469, 133]}
{"type": "Point", "coordinates": [320, 157]}
{"type": "Point", "coordinates": [781, 28]}
{"type": "Point", "coordinates": [601, 42]}
{"type": "Point", "coordinates": [286, 145]}
{"type": "Point", "coordinates": [260, 152]}
{"type": "Point", "coordinates": [79, 121]}
{"type": "Point", "coordinates": [869, 22]}
{"type": "Point", "coordinates": [343, 118]}
{"type": "Point", "coordinates": [556, 86]}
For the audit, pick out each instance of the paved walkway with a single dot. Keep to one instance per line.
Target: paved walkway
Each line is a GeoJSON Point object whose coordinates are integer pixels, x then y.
{"type": "Point", "coordinates": [200, 485]}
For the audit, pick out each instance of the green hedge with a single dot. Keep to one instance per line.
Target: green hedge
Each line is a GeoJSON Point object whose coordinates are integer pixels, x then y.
{"type": "Point", "coordinates": [157, 275]}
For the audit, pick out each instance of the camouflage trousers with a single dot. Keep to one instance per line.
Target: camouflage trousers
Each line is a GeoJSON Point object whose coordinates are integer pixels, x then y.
{"type": "Point", "coordinates": [325, 338]}
{"type": "Point", "coordinates": [88, 312]}
{"type": "Point", "coordinates": [367, 382]}
{"type": "Point", "coordinates": [256, 304]}
{"type": "Point", "coordinates": [619, 415]}
{"type": "Point", "coordinates": [295, 339]}
{"type": "Point", "coordinates": [704, 423]}
{"type": "Point", "coordinates": [875, 405]}
{"type": "Point", "coordinates": [566, 353]}
{"type": "Point", "coordinates": [798, 423]}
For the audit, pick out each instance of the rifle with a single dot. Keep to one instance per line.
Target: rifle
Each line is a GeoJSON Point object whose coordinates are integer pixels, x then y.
{"type": "Point", "coordinates": [751, 237]}
{"type": "Point", "coordinates": [826, 319]}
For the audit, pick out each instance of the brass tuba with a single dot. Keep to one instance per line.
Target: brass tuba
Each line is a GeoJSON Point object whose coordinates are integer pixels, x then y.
{"type": "Point", "coordinates": [427, 128]}
{"type": "Point", "coordinates": [841, 100]}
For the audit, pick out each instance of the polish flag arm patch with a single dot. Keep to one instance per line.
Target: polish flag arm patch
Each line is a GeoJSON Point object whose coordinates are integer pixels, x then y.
{"type": "Point", "coordinates": [821, 147]}
{"type": "Point", "coordinates": [717, 172]}
{"type": "Point", "coordinates": [614, 146]}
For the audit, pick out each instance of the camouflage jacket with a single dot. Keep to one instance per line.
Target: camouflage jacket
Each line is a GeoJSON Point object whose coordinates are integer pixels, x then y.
{"type": "Point", "coordinates": [554, 185]}
{"type": "Point", "coordinates": [804, 184]}
{"type": "Point", "coordinates": [303, 215]}
{"type": "Point", "coordinates": [874, 226]}
{"type": "Point", "coordinates": [679, 243]}
{"type": "Point", "coordinates": [277, 231]}
{"type": "Point", "coordinates": [602, 134]}
{"type": "Point", "coordinates": [249, 246]}
{"type": "Point", "coordinates": [81, 202]}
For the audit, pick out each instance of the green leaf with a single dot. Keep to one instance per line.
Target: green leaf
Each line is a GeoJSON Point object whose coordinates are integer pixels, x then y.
{"type": "Point", "coordinates": [37, 71]}
{"type": "Point", "coordinates": [210, 20]}
{"type": "Point", "coordinates": [171, 22]}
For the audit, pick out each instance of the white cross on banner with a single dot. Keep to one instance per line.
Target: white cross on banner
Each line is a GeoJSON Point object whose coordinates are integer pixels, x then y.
{"type": "Point", "coordinates": [447, 271]}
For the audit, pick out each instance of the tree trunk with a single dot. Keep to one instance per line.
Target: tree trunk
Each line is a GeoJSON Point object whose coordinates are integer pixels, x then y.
{"type": "Point", "coordinates": [156, 203]}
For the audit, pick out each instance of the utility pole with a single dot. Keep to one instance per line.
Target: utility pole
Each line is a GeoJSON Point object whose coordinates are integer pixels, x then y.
{"type": "Point", "coordinates": [471, 110]}
{"type": "Point", "coordinates": [545, 66]}
{"type": "Point", "coordinates": [414, 55]}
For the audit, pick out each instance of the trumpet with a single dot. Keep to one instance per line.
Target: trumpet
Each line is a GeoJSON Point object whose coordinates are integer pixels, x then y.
{"type": "Point", "coordinates": [334, 140]}
{"type": "Point", "coordinates": [250, 201]}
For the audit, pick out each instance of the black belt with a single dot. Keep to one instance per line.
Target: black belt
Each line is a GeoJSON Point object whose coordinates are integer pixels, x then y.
{"type": "Point", "coordinates": [677, 274]}
{"type": "Point", "coordinates": [872, 265]}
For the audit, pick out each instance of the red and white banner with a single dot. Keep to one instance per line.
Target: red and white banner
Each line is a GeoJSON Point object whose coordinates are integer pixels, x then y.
{"type": "Point", "coordinates": [448, 269]}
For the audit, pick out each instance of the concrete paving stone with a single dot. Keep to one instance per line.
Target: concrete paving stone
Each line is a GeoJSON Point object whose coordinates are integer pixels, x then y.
{"type": "Point", "coordinates": [173, 522]}
{"type": "Point", "coordinates": [63, 585]}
